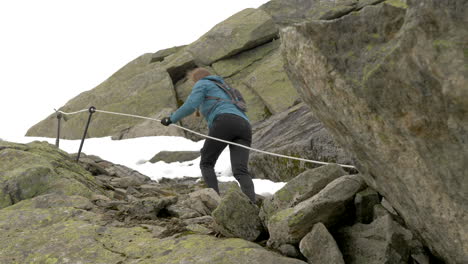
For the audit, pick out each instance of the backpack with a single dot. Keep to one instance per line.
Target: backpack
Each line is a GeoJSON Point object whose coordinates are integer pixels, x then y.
{"type": "Point", "coordinates": [236, 96]}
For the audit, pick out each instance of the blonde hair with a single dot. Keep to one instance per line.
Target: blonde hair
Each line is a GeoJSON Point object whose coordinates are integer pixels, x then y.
{"type": "Point", "coordinates": [196, 74]}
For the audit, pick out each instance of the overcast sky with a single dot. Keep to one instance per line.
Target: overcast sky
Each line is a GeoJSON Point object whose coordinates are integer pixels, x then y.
{"type": "Point", "coordinates": [52, 50]}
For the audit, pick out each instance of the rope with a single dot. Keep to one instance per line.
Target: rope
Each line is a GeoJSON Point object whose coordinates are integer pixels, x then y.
{"type": "Point", "coordinates": [72, 113]}
{"type": "Point", "coordinates": [213, 138]}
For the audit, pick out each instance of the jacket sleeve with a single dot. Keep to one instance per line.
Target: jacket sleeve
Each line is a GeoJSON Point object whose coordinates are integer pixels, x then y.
{"type": "Point", "coordinates": [194, 100]}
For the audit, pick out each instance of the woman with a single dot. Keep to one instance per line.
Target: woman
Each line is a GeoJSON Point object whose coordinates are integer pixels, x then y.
{"type": "Point", "coordinates": [225, 121]}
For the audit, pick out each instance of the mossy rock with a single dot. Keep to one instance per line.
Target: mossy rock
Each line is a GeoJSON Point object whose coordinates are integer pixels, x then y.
{"type": "Point", "coordinates": [39, 168]}
{"type": "Point", "coordinates": [242, 31]}
{"type": "Point", "coordinates": [161, 54]}
{"type": "Point", "coordinates": [300, 188]}
{"type": "Point", "coordinates": [329, 206]}
{"type": "Point", "coordinates": [271, 83]}
{"type": "Point", "coordinates": [140, 88]}
{"type": "Point", "coordinates": [175, 156]}
{"type": "Point", "coordinates": [235, 64]}
{"type": "Point", "coordinates": [286, 13]}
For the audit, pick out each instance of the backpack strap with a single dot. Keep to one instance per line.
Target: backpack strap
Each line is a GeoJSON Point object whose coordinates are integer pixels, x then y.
{"type": "Point", "coordinates": [227, 90]}
{"type": "Point", "coordinates": [234, 99]}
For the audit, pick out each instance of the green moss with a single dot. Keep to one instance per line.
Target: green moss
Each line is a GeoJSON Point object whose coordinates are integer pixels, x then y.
{"type": "Point", "coordinates": [284, 195]}
{"type": "Point", "coordinates": [51, 260]}
{"type": "Point", "coordinates": [296, 219]}
{"type": "Point", "coordinates": [397, 3]}
{"type": "Point", "coordinates": [281, 215]}
{"type": "Point", "coordinates": [442, 44]}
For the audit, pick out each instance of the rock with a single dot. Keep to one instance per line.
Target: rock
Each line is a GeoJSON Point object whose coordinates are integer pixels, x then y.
{"type": "Point", "coordinates": [319, 246]}
{"type": "Point", "coordinates": [175, 156]}
{"type": "Point", "coordinates": [37, 168]}
{"type": "Point", "coordinates": [379, 211]}
{"type": "Point", "coordinates": [402, 93]}
{"type": "Point", "coordinates": [126, 182]}
{"type": "Point", "coordinates": [294, 132]}
{"type": "Point", "coordinates": [420, 259]}
{"type": "Point", "coordinates": [148, 208]}
{"type": "Point", "coordinates": [269, 81]}
{"type": "Point", "coordinates": [150, 128]}
{"type": "Point", "coordinates": [199, 229]}
{"type": "Point", "coordinates": [242, 31]}
{"type": "Point", "coordinates": [153, 190]}
{"type": "Point", "coordinates": [203, 220]}
{"type": "Point", "coordinates": [388, 206]}
{"type": "Point", "coordinates": [236, 216]}
{"type": "Point", "coordinates": [178, 64]}
{"type": "Point", "coordinates": [286, 13]}
{"type": "Point", "coordinates": [161, 54]}
{"type": "Point", "coordinates": [331, 204]}
{"type": "Point", "coordinates": [231, 66]}
{"type": "Point", "coordinates": [203, 201]}
{"type": "Point", "coordinates": [289, 251]}
{"type": "Point", "coordinates": [140, 88]}
{"type": "Point", "coordinates": [365, 202]}
{"type": "Point", "coordinates": [236, 71]}
{"type": "Point", "coordinates": [182, 212]}
{"type": "Point", "coordinates": [300, 188]}
{"type": "Point", "coordinates": [120, 194]}
{"type": "Point", "coordinates": [382, 241]}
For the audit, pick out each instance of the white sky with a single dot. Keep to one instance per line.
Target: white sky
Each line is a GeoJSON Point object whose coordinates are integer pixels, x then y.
{"type": "Point", "coordinates": [52, 50]}
{"type": "Point", "coordinates": [134, 153]}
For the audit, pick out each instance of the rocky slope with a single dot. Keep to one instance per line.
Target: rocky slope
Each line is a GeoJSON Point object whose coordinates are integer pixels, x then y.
{"type": "Point", "coordinates": [107, 213]}
{"type": "Point", "coordinates": [386, 79]}
{"type": "Point", "coordinates": [402, 88]}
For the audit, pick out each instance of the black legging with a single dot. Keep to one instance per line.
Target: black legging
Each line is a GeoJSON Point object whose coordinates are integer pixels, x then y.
{"type": "Point", "coordinates": [236, 129]}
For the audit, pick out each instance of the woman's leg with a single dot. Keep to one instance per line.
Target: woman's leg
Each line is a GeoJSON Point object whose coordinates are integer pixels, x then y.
{"type": "Point", "coordinates": [240, 158]}
{"type": "Point", "coordinates": [209, 155]}
{"type": "Point", "coordinates": [239, 163]}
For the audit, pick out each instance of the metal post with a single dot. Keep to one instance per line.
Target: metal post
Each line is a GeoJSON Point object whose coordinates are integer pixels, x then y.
{"type": "Point", "coordinates": [91, 110]}
{"type": "Point", "coordinates": [57, 141]}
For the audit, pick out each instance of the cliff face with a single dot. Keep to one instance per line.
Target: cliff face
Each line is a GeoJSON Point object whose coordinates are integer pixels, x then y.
{"type": "Point", "coordinates": [390, 83]}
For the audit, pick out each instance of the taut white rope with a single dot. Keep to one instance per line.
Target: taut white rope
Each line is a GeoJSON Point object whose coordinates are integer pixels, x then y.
{"type": "Point", "coordinates": [72, 113]}
{"type": "Point", "coordinates": [218, 139]}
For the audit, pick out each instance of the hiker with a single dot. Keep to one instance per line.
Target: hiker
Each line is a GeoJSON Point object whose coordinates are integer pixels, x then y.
{"type": "Point", "coordinates": [225, 121]}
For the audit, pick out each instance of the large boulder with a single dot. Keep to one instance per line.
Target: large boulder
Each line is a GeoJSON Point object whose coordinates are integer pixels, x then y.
{"type": "Point", "coordinates": [294, 132]}
{"type": "Point", "coordinates": [175, 156]}
{"type": "Point", "coordinates": [235, 71]}
{"type": "Point", "coordinates": [285, 13]}
{"type": "Point", "coordinates": [396, 95]}
{"type": "Point", "coordinates": [329, 206]}
{"type": "Point", "coordinates": [30, 170]}
{"type": "Point", "coordinates": [234, 65]}
{"type": "Point", "coordinates": [245, 30]}
{"type": "Point", "coordinates": [319, 246]}
{"type": "Point", "coordinates": [140, 88]}
{"type": "Point", "coordinates": [300, 188]}
{"type": "Point", "coordinates": [270, 82]}
{"type": "Point", "coordinates": [236, 216]}
{"type": "Point", "coordinates": [382, 241]}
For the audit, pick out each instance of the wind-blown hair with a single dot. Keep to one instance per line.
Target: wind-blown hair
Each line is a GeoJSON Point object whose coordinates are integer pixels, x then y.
{"type": "Point", "coordinates": [196, 74]}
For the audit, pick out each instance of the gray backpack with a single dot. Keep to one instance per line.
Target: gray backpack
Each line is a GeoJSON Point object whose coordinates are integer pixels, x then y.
{"type": "Point", "coordinates": [234, 94]}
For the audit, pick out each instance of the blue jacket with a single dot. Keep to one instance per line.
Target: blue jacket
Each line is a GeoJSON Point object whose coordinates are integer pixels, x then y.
{"type": "Point", "coordinates": [209, 108]}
